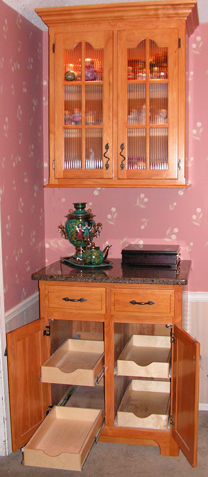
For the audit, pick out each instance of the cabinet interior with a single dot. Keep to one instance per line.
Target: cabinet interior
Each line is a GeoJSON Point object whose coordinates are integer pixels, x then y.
{"type": "Point", "coordinates": [142, 364]}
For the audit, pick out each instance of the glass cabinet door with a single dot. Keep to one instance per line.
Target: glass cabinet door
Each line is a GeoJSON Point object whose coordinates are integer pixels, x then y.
{"type": "Point", "coordinates": [147, 132]}
{"type": "Point", "coordinates": [83, 105]}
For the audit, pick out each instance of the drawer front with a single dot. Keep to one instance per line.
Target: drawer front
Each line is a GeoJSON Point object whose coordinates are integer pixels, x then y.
{"type": "Point", "coordinates": [75, 299]}
{"type": "Point", "coordinates": [143, 302]}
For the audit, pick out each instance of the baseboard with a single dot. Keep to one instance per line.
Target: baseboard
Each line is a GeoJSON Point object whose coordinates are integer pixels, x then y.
{"type": "Point", "coordinates": [22, 314]}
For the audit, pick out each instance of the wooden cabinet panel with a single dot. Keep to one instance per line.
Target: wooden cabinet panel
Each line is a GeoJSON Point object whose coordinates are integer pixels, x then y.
{"type": "Point", "coordinates": [27, 349]}
{"type": "Point", "coordinates": [145, 302]}
{"type": "Point", "coordinates": [185, 394]}
{"type": "Point", "coordinates": [75, 299]}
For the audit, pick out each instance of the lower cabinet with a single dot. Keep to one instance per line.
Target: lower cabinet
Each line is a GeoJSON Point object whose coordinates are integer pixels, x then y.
{"type": "Point", "coordinates": [116, 377]}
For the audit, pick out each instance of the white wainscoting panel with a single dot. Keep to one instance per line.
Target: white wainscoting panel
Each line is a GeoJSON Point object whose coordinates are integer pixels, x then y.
{"type": "Point", "coordinates": [195, 322]}
{"type": "Point", "coordinates": [23, 313]}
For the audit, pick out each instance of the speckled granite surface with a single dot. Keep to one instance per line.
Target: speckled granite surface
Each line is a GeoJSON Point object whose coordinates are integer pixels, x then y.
{"type": "Point", "coordinates": [117, 273]}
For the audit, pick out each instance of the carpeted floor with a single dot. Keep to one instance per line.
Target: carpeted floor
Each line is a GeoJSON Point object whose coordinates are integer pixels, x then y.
{"type": "Point", "coordinates": [121, 460]}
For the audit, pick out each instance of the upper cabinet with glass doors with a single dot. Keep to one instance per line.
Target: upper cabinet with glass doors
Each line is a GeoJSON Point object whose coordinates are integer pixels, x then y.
{"type": "Point", "coordinates": [118, 95]}
{"type": "Point", "coordinates": [83, 110]}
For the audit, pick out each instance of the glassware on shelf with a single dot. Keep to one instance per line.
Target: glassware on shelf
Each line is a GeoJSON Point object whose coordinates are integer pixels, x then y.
{"type": "Point", "coordinates": [90, 117]}
{"type": "Point", "coordinates": [136, 163]}
{"type": "Point", "coordinates": [158, 62]}
{"type": "Point", "coordinates": [137, 116]}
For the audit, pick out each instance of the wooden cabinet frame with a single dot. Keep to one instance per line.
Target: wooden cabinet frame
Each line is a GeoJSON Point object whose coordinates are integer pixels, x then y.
{"type": "Point", "coordinates": [28, 348]}
{"type": "Point", "coordinates": [179, 19]}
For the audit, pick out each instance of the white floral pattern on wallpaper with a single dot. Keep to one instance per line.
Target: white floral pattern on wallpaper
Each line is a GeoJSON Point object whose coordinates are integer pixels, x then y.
{"type": "Point", "coordinates": [21, 159]}
{"type": "Point", "coordinates": [167, 216]}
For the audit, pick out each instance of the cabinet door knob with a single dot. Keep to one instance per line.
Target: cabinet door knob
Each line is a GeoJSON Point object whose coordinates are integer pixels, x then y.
{"type": "Point", "coordinates": [106, 157]}
{"type": "Point", "coordinates": [134, 302]}
{"type": "Point", "coordinates": [74, 299]}
{"type": "Point", "coordinates": [122, 162]}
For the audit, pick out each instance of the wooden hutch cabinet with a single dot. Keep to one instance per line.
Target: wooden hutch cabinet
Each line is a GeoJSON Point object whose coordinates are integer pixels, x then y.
{"type": "Point", "coordinates": [117, 93]}
{"type": "Point", "coordinates": [109, 354]}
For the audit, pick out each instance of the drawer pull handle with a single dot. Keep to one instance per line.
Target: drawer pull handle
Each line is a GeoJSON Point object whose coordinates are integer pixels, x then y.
{"type": "Point", "coordinates": [122, 162]}
{"type": "Point", "coordinates": [106, 157]}
{"type": "Point", "coordinates": [134, 302]}
{"type": "Point", "coordinates": [74, 299]}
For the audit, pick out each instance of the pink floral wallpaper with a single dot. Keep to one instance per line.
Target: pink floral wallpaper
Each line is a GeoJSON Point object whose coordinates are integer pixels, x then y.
{"type": "Point", "coordinates": [166, 216]}
{"type": "Point", "coordinates": [21, 154]}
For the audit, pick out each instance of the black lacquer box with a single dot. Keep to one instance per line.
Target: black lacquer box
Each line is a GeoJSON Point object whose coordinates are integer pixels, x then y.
{"type": "Point", "coordinates": [151, 255]}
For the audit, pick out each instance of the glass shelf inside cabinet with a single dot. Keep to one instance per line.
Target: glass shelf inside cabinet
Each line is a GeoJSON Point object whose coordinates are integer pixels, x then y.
{"type": "Point", "coordinates": [83, 107]}
{"type": "Point", "coordinates": [147, 106]}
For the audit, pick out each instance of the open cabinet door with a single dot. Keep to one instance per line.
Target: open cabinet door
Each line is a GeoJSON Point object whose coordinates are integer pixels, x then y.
{"type": "Point", "coordinates": [185, 389]}
{"type": "Point", "coordinates": [27, 349]}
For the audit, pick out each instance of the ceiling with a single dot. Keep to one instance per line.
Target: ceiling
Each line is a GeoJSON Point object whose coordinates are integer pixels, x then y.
{"type": "Point", "coordinates": [27, 7]}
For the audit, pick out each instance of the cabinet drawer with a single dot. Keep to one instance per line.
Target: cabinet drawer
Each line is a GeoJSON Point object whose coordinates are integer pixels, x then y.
{"type": "Point", "coordinates": [145, 357]}
{"type": "Point", "coordinates": [147, 302]}
{"type": "Point", "coordinates": [76, 362]}
{"type": "Point", "coordinates": [64, 438]}
{"type": "Point", "coordinates": [145, 404]}
{"type": "Point", "coordinates": [75, 299]}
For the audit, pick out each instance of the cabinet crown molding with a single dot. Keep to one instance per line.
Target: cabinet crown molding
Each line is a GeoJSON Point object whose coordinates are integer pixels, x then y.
{"type": "Point", "coordinates": [174, 10]}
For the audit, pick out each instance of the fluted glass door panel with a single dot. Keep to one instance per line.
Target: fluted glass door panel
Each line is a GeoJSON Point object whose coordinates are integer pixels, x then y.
{"type": "Point", "coordinates": [158, 61]}
{"type": "Point", "coordinates": [137, 103]}
{"type": "Point", "coordinates": [72, 149]}
{"type": "Point", "coordinates": [158, 103]}
{"type": "Point", "coordinates": [93, 63]}
{"type": "Point", "coordinates": [136, 146]}
{"type": "Point", "coordinates": [93, 149]}
{"type": "Point", "coordinates": [72, 105]}
{"type": "Point", "coordinates": [73, 63]}
{"type": "Point", "coordinates": [136, 58]}
{"type": "Point", "coordinates": [158, 148]}
{"type": "Point", "coordinates": [94, 104]}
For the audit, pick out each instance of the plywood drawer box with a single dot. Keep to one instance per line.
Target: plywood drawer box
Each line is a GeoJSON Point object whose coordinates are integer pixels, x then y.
{"type": "Point", "coordinates": [147, 301]}
{"type": "Point", "coordinates": [145, 356]}
{"type": "Point", "coordinates": [76, 362]}
{"type": "Point", "coordinates": [75, 299]}
{"type": "Point", "coordinates": [64, 439]}
{"type": "Point", "coordinates": [145, 405]}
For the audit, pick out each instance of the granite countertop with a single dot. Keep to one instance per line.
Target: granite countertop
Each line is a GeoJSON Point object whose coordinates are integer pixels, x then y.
{"type": "Point", "coordinates": [60, 271]}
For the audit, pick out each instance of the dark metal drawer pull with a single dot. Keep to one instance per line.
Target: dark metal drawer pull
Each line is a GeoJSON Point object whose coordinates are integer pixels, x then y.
{"type": "Point", "coordinates": [74, 299]}
{"type": "Point", "coordinates": [134, 302]}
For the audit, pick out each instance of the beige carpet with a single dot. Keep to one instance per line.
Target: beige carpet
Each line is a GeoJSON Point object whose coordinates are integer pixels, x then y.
{"type": "Point", "coordinates": [121, 460]}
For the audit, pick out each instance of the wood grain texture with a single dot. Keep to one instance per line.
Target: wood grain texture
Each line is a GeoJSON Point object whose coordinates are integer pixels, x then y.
{"type": "Point", "coordinates": [115, 28]}
{"type": "Point", "coordinates": [29, 398]}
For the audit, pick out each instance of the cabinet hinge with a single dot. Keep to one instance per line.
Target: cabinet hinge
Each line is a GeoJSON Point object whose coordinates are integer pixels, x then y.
{"type": "Point", "coordinates": [47, 331]}
{"type": "Point", "coordinates": [172, 338]}
{"type": "Point", "coordinates": [179, 42]}
{"type": "Point", "coordinates": [53, 48]}
{"type": "Point", "coordinates": [53, 164]}
{"type": "Point", "coordinates": [48, 410]}
{"type": "Point", "coordinates": [5, 351]}
{"type": "Point", "coordinates": [179, 164]}
{"type": "Point", "coordinates": [171, 421]}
